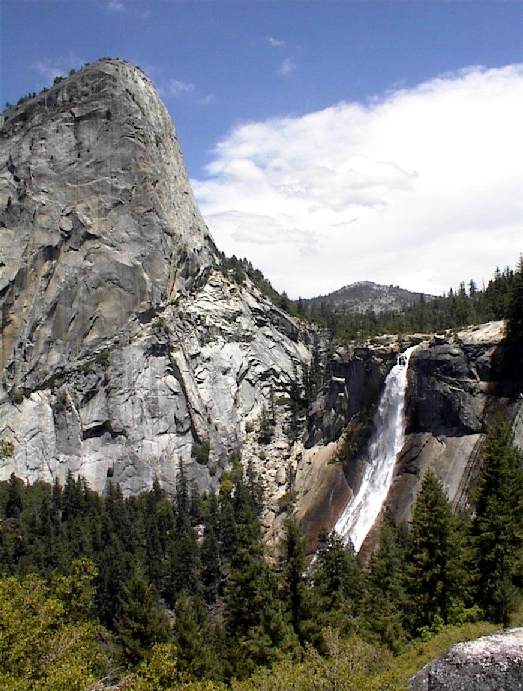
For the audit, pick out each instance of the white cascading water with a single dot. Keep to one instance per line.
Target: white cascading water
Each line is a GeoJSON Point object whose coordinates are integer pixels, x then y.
{"type": "Point", "coordinates": [386, 442]}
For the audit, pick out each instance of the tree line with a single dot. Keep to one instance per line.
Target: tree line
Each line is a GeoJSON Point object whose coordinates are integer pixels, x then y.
{"type": "Point", "coordinates": [501, 298]}
{"type": "Point", "coordinates": [127, 587]}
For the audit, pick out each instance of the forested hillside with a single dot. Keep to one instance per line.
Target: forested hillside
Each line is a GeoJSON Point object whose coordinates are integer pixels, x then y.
{"type": "Point", "coordinates": [148, 593]}
{"type": "Point", "coordinates": [501, 298]}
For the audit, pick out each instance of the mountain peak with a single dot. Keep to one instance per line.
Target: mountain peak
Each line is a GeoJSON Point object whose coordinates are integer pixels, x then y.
{"type": "Point", "coordinates": [98, 216]}
{"type": "Point", "coordinates": [362, 296]}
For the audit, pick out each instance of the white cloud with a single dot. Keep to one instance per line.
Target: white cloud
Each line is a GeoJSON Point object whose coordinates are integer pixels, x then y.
{"type": "Point", "coordinates": [175, 87]}
{"type": "Point", "coordinates": [276, 42]}
{"type": "Point", "coordinates": [287, 66]}
{"type": "Point", "coordinates": [49, 68]}
{"type": "Point", "coordinates": [421, 188]}
{"type": "Point", "coordinates": [116, 6]}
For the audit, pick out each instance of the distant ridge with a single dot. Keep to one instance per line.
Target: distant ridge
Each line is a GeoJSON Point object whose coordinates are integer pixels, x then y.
{"type": "Point", "coordinates": [362, 296]}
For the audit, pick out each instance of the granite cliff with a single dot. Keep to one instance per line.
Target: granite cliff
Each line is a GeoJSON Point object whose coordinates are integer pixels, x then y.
{"type": "Point", "coordinates": [125, 345]}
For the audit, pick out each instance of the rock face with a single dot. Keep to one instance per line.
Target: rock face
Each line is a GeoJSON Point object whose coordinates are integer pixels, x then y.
{"type": "Point", "coordinates": [355, 377]}
{"type": "Point", "coordinates": [457, 383]}
{"type": "Point", "coordinates": [98, 220]}
{"type": "Point", "coordinates": [491, 663]}
{"type": "Point", "coordinates": [125, 346]}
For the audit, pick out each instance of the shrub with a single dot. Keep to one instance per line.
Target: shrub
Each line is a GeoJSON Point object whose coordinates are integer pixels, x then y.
{"type": "Point", "coordinates": [200, 452]}
{"type": "Point", "coordinates": [103, 357]}
{"type": "Point", "coordinates": [61, 402]}
{"type": "Point", "coordinates": [7, 448]}
{"type": "Point", "coordinates": [87, 367]}
{"type": "Point", "coordinates": [18, 397]}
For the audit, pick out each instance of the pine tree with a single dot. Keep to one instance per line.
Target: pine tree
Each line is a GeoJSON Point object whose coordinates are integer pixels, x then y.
{"type": "Point", "coordinates": [337, 582]}
{"type": "Point", "coordinates": [255, 618]}
{"type": "Point", "coordinates": [515, 307]}
{"type": "Point", "coordinates": [498, 524]}
{"type": "Point", "coordinates": [266, 427]}
{"type": "Point", "coordinates": [210, 554]}
{"type": "Point", "coordinates": [293, 568]}
{"type": "Point", "coordinates": [13, 507]}
{"type": "Point", "coordinates": [197, 640]}
{"type": "Point", "coordinates": [436, 580]}
{"type": "Point", "coordinates": [184, 558]}
{"type": "Point", "coordinates": [140, 622]}
{"type": "Point", "coordinates": [384, 600]}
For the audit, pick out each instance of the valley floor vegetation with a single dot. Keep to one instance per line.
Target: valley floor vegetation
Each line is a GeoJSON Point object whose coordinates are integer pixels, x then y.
{"type": "Point", "coordinates": [149, 593]}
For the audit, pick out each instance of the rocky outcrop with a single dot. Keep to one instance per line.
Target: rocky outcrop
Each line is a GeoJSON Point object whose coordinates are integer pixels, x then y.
{"type": "Point", "coordinates": [125, 346]}
{"type": "Point", "coordinates": [354, 379]}
{"type": "Point", "coordinates": [491, 663]}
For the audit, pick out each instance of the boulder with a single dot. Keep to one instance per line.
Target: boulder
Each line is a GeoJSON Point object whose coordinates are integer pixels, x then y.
{"type": "Point", "coordinates": [490, 663]}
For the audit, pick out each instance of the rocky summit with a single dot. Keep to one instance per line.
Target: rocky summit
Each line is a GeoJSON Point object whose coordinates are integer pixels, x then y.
{"type": "Point", "coordinates": [364, 296]}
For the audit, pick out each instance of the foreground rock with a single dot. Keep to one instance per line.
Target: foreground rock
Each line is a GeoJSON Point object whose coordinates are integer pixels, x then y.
{"type": "Point", "coordinates": [491, 663]}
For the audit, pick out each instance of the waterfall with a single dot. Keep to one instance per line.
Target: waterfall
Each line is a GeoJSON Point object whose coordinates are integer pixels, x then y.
{"type": "Point", "coordinates": [385, 444]}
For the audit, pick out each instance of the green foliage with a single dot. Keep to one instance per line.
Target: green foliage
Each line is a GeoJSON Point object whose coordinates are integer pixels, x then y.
{"type": "Point", "coordinates": [266, 427]}
{"type": "Point", "coordinates": [256, 618]}
{"type": "Point", "coordinates": [17, 397]}
{"type": "Point", "coordinates": [385, 600]}
{"type": "Point", "coordinates": [294, 586]}
{"type": "Point", "coordinates": [189, 600]}
{"type": "Point", "coordinates": [515, 305]}
{"type": "Point", "coordinates": [200, 452]}
{"type": "Point", "coordinates": [45, 644]}
{"type": "Point", "coordinates": [337, 582]}
{"type": "Point", "coordinates": [502, 298]}
{"type": "Point", "coordinates": [7, 448]}
{"type": "Point", "coordinates": [61, 401]}
{"type": "Point", "coordinates": [103, 358]}
{"type": "Point", "coordinates": [436, 577]}
{"type": "Point", "coordinates": [158, 673]}
{"type": "Point", "coordinates": [498, 525]}
{"type": "Point", "coordinates": [357, 435]}
{"type": "Point", "coordinates": [140, 622]}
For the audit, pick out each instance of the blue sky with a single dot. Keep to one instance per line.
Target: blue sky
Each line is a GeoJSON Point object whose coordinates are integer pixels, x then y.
{"type": "Point", "coordinates": [221, 65]}
{"type": "Point", "coordinates": [335, 51]}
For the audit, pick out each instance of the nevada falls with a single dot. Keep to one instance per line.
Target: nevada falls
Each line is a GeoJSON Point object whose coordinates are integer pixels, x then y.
{"type": "Point", "coordinates": [128, 346]}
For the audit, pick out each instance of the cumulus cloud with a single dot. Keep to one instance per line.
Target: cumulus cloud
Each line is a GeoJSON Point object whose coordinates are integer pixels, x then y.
{"type": "Point", "coordinates": [276, 42]}
{"type": "Point", "coordinates": [287, 67]}
{"type": "Point", "coordinates": [420, 187]}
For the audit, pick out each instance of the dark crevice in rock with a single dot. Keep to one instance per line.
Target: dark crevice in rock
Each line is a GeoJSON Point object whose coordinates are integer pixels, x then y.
{"type": "Point", "coordinates": [100, 430]}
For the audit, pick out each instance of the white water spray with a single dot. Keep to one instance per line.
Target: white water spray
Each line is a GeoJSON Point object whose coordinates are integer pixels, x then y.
{"type": "Point", "coordinates": [385, 444]}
